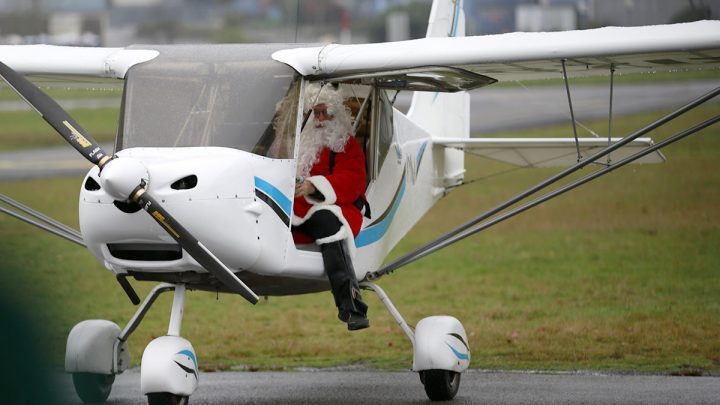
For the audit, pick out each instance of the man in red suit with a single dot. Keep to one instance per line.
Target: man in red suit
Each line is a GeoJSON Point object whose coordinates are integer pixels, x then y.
{"type": "Point", "coordinates": [329, 196]}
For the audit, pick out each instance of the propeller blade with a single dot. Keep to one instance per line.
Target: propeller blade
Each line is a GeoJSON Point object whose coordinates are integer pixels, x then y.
{"type": "Point", "coordinates": [58, 118]}
{"type": "Point", "coordinates": [191, 245]}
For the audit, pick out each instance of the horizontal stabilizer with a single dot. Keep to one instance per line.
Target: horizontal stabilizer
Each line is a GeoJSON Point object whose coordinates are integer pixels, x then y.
{"type": "Point", "coordinates": [548, 152]}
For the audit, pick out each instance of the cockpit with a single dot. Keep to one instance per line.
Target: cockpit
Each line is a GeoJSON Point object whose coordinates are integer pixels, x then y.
{"type": "Point", "coordinates": [236, 97]}
{"type": "Point", "coordinates": [225, 99]}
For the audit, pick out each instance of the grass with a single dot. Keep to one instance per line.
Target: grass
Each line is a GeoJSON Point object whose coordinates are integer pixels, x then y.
{"type": "Point", "coordinates": [25, 129]}
{"type": "Point", "coordinates": [69, 88]}
{"type": "Point", "coordinates": [622, 274]}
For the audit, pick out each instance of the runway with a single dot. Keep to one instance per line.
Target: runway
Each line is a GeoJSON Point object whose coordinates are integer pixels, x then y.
{"type": "Point", "coordinates": [515, 107]}
{"type": "Point", "coordinates": [379, 387]}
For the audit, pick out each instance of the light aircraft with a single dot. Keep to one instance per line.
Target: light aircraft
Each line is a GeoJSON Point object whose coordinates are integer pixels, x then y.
{"type": "Point", "coordinates": [197, 192]}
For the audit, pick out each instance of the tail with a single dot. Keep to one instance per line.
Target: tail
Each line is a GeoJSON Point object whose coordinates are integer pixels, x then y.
{"type": "Point", "coordinates": [445, 114]}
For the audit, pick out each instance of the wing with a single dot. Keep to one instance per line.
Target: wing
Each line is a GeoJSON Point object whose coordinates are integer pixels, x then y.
{"type": "Point", "coordinates": [462, 63]}
{"type": "Point", "coordinates": [70, 60]}
{"type": "Point", "coordinates": [547, 152]}
{"type": "Point", "coordinates": [524, 55]}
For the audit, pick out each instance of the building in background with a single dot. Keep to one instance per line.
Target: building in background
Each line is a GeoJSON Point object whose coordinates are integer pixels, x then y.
{"type": "Point", "coordinates": [63, 22]}
{"type": "Point", "coordinates": [124, 22]}
{"type": "Point", "coordinates": [647, 12]}
{"type": "Point", "coordinates": [498, 16]}
{"type": "Point", "coordinates": [541, 17]}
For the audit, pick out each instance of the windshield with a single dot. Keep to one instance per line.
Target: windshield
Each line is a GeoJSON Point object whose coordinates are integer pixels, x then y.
{"type": "Point", "coordinates": [230, 96]}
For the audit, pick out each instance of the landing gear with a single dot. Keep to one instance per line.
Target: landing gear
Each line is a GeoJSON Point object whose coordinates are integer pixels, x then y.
{"type": "Point", "coordinates": [97, 351]}
{"type": "Point", "coordinates": [92, 387]}
{"type": "Point", "coordinates": [169, 370]}
{"type": "Point", "coordinates": [440, 349]}
{"type": "Point", "coordinates": [94, 354]}
{"type": "Point", "coordinates": [440, 385]}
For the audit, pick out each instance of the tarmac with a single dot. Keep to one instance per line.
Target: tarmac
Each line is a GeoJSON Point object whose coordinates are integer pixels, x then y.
{"type": "Point", "coordinates": [353, 386]}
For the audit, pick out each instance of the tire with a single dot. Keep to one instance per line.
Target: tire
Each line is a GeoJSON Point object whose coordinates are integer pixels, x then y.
{"type": "Point", "coordinates": [440, 385]}
{"type": "Point", "coordinates": [166, 398]}
{"type": "Point", "coordinates": [92, 388]}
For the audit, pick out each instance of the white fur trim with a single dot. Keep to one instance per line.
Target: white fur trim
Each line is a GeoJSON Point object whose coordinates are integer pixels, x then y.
{"type": "Point", "coordinates": [322, 185]}
{"type": "Point", "coordinates": [345, 232]}
{"type": "Point", "coordinates": [340, 235]}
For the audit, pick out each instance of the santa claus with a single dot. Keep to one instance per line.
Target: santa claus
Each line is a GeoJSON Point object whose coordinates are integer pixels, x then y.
{"type": "Point", "coordinates": [329, 196]}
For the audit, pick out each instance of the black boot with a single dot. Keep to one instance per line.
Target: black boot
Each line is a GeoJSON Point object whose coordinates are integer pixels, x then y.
{"type": "Point", "coordinates": [345, 288]}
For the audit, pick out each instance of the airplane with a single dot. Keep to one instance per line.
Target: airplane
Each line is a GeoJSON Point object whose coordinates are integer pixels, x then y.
{"type": "Point", "coordinates": [197, 192]}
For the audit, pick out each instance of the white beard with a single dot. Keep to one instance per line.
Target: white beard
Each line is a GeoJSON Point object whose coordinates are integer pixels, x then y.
{"type": "Point", "coordinates": [331, 134]}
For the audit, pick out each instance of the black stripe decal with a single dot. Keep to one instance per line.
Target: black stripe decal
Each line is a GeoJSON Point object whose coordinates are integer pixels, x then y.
{"type": "Point", "coordinates": [274, 206]}
{"type": "Point", "coordinates": [188, 370]}
{"type": "Point", "coordinates": [458, 337]}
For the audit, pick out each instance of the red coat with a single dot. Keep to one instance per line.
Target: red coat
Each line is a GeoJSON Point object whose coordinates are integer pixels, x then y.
{"type": "Point", "coordinates": [340, 190]}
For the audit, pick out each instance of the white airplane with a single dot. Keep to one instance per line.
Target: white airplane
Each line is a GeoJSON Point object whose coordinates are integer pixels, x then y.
{"type": "Point", "coordinates": [201, 148]}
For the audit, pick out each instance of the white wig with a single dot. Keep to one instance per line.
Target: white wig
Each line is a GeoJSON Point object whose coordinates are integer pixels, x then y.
{"type": "Point", "coordinates": [333, 100]}
{"type": "Point", "coordinates": [332, 134]}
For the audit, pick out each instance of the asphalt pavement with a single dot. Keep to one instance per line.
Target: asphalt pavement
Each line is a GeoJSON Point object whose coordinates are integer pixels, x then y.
{"type": "Point", "coordinates": [515, 107]}
{"type": "Point", "coordinates": [351, 387]}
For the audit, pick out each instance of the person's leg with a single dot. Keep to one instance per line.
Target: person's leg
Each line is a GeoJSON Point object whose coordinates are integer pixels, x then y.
{"type": "Point", "coordinates": [339, 268]}
{"type": "Point", "coordinates": [338, 265]}
{"type": "Point", "coordinates": [321, 224]}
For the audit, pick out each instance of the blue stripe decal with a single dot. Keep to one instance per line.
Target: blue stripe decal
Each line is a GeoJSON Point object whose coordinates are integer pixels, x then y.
{"type": "Point", "coordinates": [420, 155]}
{"type": "Point", "coordinates": [457, 17]}
{"type": "Point", "coordinates": [189, 354]}
{"type": "Point", "coordinates": [282, 201]}
{"type": "Point", "coordinates": [460, 356]}
{"type": "Point", "coordinates": [375, 232]}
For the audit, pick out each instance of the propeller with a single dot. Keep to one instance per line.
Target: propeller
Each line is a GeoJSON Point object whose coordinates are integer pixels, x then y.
{"type": "Point", "coordinates": [123, 178]}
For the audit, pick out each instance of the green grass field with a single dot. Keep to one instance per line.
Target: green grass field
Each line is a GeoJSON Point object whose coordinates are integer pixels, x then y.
{"type": "Point", "coordinates": [70, 87]}
{"type": "Point", "coordinates": [621, 274]}
{"type": "Point", "coordinates": [25, 129]}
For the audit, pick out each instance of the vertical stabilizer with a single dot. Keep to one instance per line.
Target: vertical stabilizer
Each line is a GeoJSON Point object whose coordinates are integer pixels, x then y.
{"type": "Point", "coordinates": [445, 114]}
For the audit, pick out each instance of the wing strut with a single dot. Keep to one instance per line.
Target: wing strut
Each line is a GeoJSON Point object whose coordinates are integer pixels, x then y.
{"type": "Point", "coordinates": [610, 116]}
{"type": "Point", "coordinates": [572, 112]}
{"type": "Point", "coordinates": [48, 224]}
{"type": "Point", "coordinates": [43, 222]}
{"type": "Point", "coordinates": [470, 227]}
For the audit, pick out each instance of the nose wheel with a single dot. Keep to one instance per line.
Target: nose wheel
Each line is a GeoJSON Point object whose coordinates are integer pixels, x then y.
{"type": "Point", "coordinates": [166, 398]}
{"type": "Point", "coordinates": [440, 349]}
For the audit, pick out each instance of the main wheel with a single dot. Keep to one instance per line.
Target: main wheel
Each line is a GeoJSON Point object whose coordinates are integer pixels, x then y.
{"type": "Point", "coordinates": [440, 385]}
{"type": "Point", "coordinates": [166, 398]}
{"type": "Point", "coordinates": [92, 387]}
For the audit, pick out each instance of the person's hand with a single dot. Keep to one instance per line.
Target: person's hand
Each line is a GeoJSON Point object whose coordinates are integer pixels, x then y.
{"type": "Point", "coordinates": [304, 188]}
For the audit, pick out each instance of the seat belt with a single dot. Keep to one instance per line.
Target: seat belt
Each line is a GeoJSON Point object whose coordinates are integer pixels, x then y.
{"type": "Point", "coordinates": [361, 203]}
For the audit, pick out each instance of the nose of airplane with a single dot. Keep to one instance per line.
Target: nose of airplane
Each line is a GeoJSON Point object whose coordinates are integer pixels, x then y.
{"type": "Point", "coordinates": [210, 191]}
{"type": "Point", "coordinates": [121, 176]}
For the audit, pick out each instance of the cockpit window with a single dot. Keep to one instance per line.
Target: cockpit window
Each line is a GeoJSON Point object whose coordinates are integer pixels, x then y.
{"type": "Point", "coordinates": [226, 96]}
